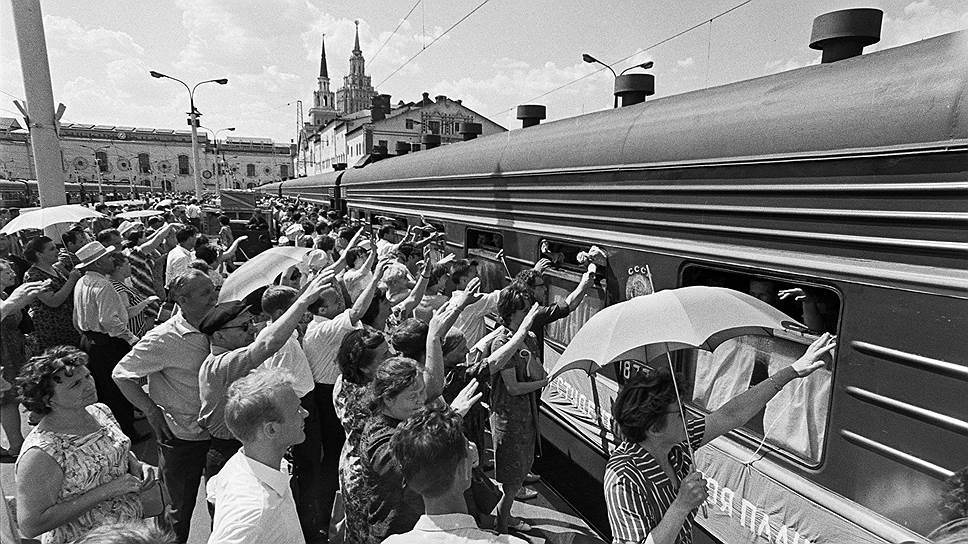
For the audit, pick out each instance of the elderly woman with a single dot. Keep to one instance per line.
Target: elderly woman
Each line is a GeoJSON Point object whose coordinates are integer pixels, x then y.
{"type": "Point", "coordinates": [53, 312]}
{"type": "Point", "coordinates": [654, 449]}
{"type": "Point", "coordinates": [360, 354]}
{"type": "Point", "coordinates": [76, 471]}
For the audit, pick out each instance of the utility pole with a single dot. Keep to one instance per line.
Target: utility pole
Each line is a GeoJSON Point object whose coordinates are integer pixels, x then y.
{"type": "Point", "coordinates": [39, 110]}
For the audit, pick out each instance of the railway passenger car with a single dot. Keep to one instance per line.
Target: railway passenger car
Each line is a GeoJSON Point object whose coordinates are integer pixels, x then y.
{"type": "Point", "coordinates": [845, 184]}
{"type": "Point", "coordinates": [24, 193]}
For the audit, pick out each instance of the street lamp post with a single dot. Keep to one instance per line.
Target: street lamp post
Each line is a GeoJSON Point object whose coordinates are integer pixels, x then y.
{"type": "Point", "coordinates": [97, 169]}
{"type": "Point", "coordinates": [592, 60]}
{"type": "Point", "coordinates": [193, 121]}
{"type": "Point", "coordinates": [218, 164]}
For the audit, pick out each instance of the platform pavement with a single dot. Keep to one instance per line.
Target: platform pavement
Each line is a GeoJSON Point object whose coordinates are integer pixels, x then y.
{"type": "Point", "coordinates": [551, 519]}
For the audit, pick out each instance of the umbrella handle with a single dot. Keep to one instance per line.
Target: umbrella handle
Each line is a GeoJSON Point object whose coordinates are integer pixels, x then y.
{"type": "Point", "coordinates": [685, 428]}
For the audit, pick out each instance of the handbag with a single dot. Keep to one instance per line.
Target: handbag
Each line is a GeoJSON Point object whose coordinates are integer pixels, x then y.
{"type": "Point", "coordinates": [154, 499]}
{"type": "Point", "coordinates": [486, 493]}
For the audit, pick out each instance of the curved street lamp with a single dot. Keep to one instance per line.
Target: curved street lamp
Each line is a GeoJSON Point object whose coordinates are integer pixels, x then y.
{"type": "Point", "coordinates": [218, 165]}
{"type": "Point", "coordinates": [193, 121]}
{"type": "Point", "coordinates": [592, 60]}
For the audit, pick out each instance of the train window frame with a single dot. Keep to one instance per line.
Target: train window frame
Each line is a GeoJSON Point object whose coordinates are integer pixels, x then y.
{"type": "Point", "coordinates": [572, 274]}
{"type": "Point", "coordinates": [747, 436]}
{"type": "Point", "coordinates": [489, 255]}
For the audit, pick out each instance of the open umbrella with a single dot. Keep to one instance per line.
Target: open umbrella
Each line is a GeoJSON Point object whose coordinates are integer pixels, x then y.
{"type": "Point", "coordinates": [259, 271]}
{"type": "Point", "coordinates": [137, 214]}
{"type": "Point", "coordinates": [45, 217]}
{"type": "Point", "coordinates": [649, 326]}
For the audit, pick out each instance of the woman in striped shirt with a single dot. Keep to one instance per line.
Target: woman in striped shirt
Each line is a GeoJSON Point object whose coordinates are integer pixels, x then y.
{"type": "Point", "coordinates": [138, 322]}
{"type": "Point", "coordinates": [651, 487]}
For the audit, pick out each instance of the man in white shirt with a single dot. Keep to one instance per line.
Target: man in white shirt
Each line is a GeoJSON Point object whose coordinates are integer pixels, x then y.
{"type": "Point", "coordinates": [181, 255]}
{"type": "Point", "coordinates": [252, 496]}
{"type": "Point", "coordinates": [102, 317]}
{"type": "Point", "coordinates": [194, 213]}
{"type": "Point", "coordinates": [306, 455]}
{"type": "Point", "coordinates": [436, 461]}
{"type": "Point", "coordinates": [321, 344]}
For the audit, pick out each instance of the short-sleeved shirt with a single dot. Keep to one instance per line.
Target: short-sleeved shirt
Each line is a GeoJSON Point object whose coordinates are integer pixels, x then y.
{"type": "Point", "coordinates": [170, 356]}
{"type": "Point", "coordinates": [392, 508]}
{"type": "Point", "coordinates": [638, 493]}
{"type": "Point", "coordinates": [178, 260]}
{"type": "Point", "coordinates": [502, 402]}
{"type": "Point", "coordinates": [220, 369]}
{"type": "Point", "coordinates": [470, 322]}
{"type": "Point", "coordinates": [253, 504]}
{"type": "Point", "coordinates": [292, 359]}
{"type": "Point", "coordinates": [321, 344]}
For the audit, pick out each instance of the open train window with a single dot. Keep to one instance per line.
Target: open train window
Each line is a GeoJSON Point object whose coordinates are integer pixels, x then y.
{"type": "Point", "coordinates": [796, 419]}
{"type": "Point", "coordinates": [483, 246]}
{"type": "Point", "coordinates": [563, 255]}
{"type": "Point", "coordinates": [396, 222]}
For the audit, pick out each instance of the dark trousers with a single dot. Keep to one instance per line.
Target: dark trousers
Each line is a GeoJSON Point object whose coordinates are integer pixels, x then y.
{"type": "Point", "coordinates": [103, 353]}
{"type": "Point", "coordinates": [219, 453]}
{"type": "Point", "coordinates": [307, 481]}
{"type": "Point", "coordinates": [331, 431]}
{"type": "Point", "coordinates": [181, 463]}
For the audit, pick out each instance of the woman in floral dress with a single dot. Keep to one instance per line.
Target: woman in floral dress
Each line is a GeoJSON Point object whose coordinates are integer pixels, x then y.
{"type": "Point", "coordinates": [76, 470]}
{"type": "Point", "coordinates": [360, 353]}
{"type": "Point", "coordinates": [53, 312]}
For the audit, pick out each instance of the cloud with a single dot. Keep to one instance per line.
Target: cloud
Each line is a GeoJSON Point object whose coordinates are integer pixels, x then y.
{"type": "Point", "coordinates": [687, 62]}
{"type": "Point", "coordinates": [921, 19]}
{"type": "Point", "coordinates": [70, 36]}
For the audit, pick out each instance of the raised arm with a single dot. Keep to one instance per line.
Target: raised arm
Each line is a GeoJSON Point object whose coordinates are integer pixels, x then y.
{"type": "Point", "coordinates": [55, 299]}
{"type": "Point", "coordinates": [744, 406]}
{"type": "Point", "coordinates": [276, 334]}
{"type": "Point", "coordinates": [575, 297]}
{"type": "Point", "coordinates": [419, 289]}
{"type": "Point", "coordinates": [22, 296]}
{"type": "Point", "coordinates": [500, 357]}
{"type": "Point", "coordinates": [230, 252]}
{"type": "Point", "coordinates": [366, 297]}
{"type": "Point", "coordinates": [156, 239]}
{"type": "Point", "coordinates": [340, 263]}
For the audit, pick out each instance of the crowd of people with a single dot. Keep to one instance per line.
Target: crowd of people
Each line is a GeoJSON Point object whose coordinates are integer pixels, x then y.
{"type": "Point", "coordinates": [339, 401]}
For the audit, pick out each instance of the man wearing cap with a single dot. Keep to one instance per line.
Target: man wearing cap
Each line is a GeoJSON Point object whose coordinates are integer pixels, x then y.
{"type": "Point", "coordinates": [169, 356]}
{"type": "Point", "coordinates": [102, 317]}
{"type": "Point", "coordinates": [235, 352]}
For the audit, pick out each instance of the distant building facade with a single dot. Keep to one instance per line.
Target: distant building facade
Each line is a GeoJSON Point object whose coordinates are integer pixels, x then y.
{"type": "Point", "coordinates": [159, 159]}
{"type": "Point", "coordinates": [363, 118]}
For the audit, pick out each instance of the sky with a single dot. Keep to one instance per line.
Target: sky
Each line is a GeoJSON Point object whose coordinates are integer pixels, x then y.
{"type": "Point", "coordinates": [507, 52]}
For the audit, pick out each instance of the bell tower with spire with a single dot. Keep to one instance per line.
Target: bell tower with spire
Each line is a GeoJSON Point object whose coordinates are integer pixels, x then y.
{"type": "Point", "coordinates": [357, 92]}
{"type": "Point", "coordinates": [324, 101]}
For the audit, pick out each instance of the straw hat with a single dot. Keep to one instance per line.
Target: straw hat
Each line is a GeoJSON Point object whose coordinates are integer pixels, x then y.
{"type": "Point", "coordinates": [91, 252]}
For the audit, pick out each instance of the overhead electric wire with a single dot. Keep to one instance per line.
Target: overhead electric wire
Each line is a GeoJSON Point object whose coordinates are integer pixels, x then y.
{"type": "Point", "coordinates": [373, 59]}
{"type": "Point", "coordinates": [623, 59]}
{"type": "Point", "coordinates": [444, 33]}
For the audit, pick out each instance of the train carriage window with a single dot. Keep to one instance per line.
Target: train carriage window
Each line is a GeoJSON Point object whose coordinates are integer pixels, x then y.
{"type": "Point", "coordinates": [796, 419]}
{"type": "Point", "coordinates": [563, 255]}
{"type": "Point", "coordinates": [483, 247]}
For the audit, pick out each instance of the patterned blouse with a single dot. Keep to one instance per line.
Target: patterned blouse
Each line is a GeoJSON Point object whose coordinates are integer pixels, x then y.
{"type": "Point", "coordinates": [52, 326]}
{"type": "Point", "coordinates": [350, 402]}
{"type": "Point", "coordinates": [87, 462]}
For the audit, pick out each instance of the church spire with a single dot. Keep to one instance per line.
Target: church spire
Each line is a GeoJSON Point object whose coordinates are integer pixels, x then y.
{"type": "Point", "coordinates": [323, 72]}
{"type": "Point", "coordinates": [356, 46]}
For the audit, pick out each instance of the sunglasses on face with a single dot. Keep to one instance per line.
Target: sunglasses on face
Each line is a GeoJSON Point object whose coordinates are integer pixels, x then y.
{"type": "Point", "coordinates": [244, 326]}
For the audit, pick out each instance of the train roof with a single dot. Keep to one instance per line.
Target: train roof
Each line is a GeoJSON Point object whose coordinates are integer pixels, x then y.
{"type": "Point", "coordinates": [326, 179]}
{"type": "Point", "coordinates": [903, 97]}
